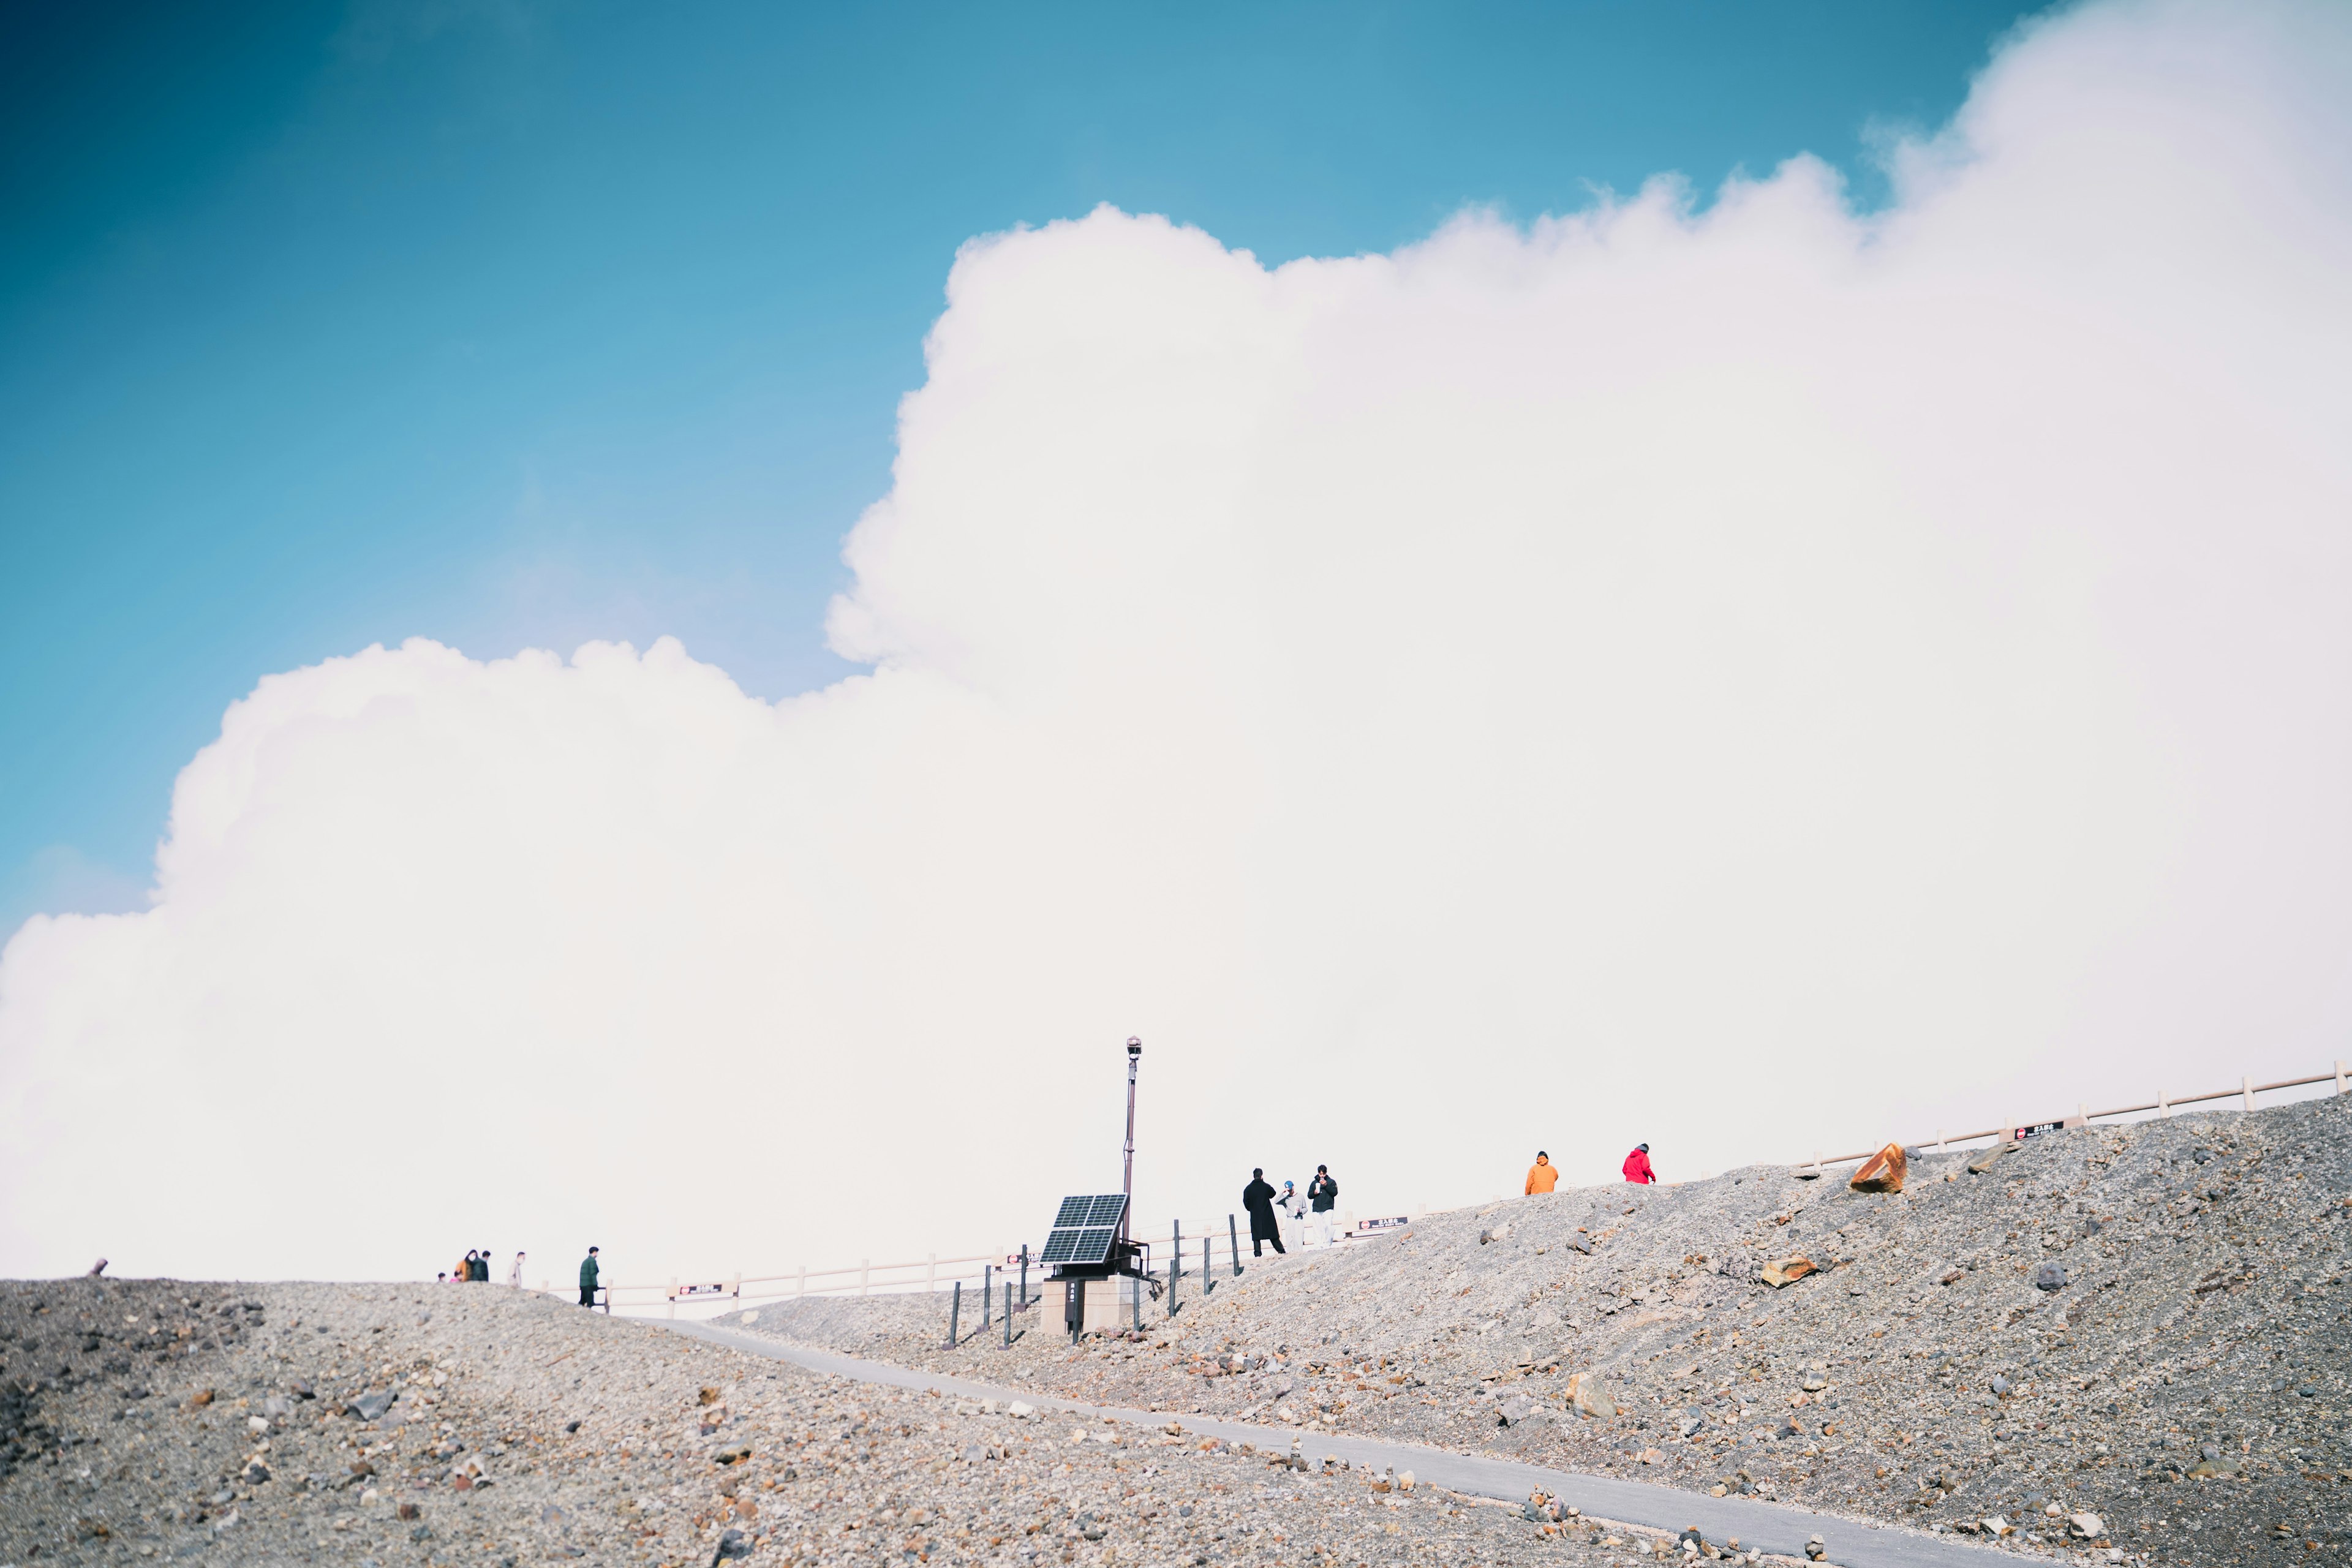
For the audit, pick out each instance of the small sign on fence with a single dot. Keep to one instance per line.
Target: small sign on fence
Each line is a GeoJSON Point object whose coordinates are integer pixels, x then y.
{"type": "Point", "coordinates": [2039, 1128]}
{"type": "Point", "coordinates": [702, 1290]}
{"type": "Point", "coordinates": [1399, 1222]}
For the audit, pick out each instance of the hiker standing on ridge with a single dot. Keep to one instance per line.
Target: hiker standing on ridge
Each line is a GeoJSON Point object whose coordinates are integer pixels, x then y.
{"type": "Point", "coordinates": [588, 1278]}
{"type": "Point", "coordinates": [1321, 1193]}
{"type": "Point", "coordinates": [1637, 1166]}
{"type": "Point", "coordinates": [1258, 1198]}
{"type": "Point", "coordinates": [1543, 1175]}
{"type": "Point", "coordinates": [482, 1266]}
{"type": "Point", "coordinates": [1293, 1209]}
{"type": "Point", "coordinates": [465, 1269]}
{"type": "Point", "coordinates": [514, 1274]}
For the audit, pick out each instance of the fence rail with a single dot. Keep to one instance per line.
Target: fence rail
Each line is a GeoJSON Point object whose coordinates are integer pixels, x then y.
{"type": "Point", "coordinates": [932, 1273]}
{"type": "Point", "coordinates": [2163, 1105]}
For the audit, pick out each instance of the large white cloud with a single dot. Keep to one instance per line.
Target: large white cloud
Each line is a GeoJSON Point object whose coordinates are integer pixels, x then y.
{"type": "Point", "coordinates": [1753, 680]}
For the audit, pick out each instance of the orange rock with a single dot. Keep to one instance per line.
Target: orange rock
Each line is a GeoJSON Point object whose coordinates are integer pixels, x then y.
{"type": "Point", "coordinates": [1882, 1172]}
{"type": "Point", "coordinates": [1783, 1272]}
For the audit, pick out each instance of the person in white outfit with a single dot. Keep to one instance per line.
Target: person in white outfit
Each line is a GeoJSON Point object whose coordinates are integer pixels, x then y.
{"type": "Point", "coordinates": [514, 1275]}
{"type": "Point", "coordinates": [1294, 1214]}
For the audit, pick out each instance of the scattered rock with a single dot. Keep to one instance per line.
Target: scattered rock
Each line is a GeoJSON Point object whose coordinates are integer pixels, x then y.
{"type": "Point", "coordinates": [2050, 1277]}
{"type": "Point", "coordinates": [1783, 1272]}
{"type": "Point", "coordinates": [1588, 1398]}
{"type": "Point", "coordinates": [1993, 1156]}
{"type": "Point", "coordinates": [1882, 1172]}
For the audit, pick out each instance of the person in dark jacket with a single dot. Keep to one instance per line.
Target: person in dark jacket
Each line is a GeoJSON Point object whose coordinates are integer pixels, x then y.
{"type": "Point", "coordinates": [482, 1266]}
{"type": "Point", "coordinates": [1258, 1198]}
{"type": "Point", "coordinates": [588, 1278]}
{"type": "Point", "coordinates": [1321, 1194]}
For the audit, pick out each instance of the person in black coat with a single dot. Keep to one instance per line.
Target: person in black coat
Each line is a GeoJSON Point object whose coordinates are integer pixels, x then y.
{"type": "Point", "coordinates": [1321, 1194]}
{"type": "Point", "coordinates": [1258, 1198]}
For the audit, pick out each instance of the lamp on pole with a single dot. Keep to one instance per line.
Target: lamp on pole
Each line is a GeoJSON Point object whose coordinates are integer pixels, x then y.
{"type": "Point", "coordinates": [1134, 1060]}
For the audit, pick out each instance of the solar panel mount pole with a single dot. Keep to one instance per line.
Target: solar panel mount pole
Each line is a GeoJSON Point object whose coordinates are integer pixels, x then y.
{"type": "Point", "coordinates": [1134, 1060]}
{"type": "Point", "coordinates": [1233, 1244]}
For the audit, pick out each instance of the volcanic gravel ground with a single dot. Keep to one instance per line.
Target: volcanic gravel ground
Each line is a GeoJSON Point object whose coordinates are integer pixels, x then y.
{"type": "Point", "coordinates": [2184, 1387]}
{"type": "Point", "coordinates": [470, 1424]}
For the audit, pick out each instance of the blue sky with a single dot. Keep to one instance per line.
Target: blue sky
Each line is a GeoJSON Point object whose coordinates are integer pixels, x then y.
{"type": "Point", "coordinates": [514, 325]}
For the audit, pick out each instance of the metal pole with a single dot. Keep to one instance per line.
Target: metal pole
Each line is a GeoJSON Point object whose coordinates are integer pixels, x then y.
{"type": "Point", "coordinates": [1008, 1314]}
{"type": "Point", "coordinates": [1134, 1317]}
{"type": "Point", "coordinates": [1127, 1185]}
{"type": "Point", "coordinates": [987, 1291]}
{"type": "Point", "coordinates": [955, 1310]}
{"type": "Point", "coordinates": [1208, 1265]}
{"type": "Point", "coordinates": [1025, 1278]}
{"type": "Point", "coordinates": [1233, 1244]}
{"type": "Point", "coordinates": [1175, 1264]}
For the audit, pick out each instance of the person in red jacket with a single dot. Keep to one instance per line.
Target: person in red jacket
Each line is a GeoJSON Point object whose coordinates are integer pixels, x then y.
{"type": "Point", "coordinates": [1637, 1165]}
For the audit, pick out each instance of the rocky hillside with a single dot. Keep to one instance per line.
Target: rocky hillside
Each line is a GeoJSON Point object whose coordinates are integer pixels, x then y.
{"type": "Point", "coordinates": [467, 1423]}
{"type": "Point", "coordinates": [2112, 1341]}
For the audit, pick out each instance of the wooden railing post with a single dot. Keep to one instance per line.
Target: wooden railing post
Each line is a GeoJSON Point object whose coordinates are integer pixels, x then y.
{"type": "Point", "coordinates": [864, 1274]}
{"type": "Point", "coordinates": [2246, 1086]}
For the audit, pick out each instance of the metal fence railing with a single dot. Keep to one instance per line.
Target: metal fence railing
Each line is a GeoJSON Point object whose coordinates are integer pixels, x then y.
{"type": "Point", "coordinates": [2162, 1105]}
{"type": "Point", "coordinates": [1190, 1249]}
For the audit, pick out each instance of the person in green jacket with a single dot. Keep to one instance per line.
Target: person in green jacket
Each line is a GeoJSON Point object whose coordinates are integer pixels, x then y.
{"type": "Point", "coordinates": [588, 1278]}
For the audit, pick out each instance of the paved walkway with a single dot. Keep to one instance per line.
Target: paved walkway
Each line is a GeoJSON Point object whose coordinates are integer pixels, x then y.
{"type": "Point", "coordinates": [1776, 1527]}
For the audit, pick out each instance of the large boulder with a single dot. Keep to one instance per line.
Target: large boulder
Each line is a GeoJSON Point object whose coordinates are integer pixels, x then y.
{"type": "Point", "coordinates": [1882, 1172]}
{"type": "Point", "coordinates": [1588, 1398]}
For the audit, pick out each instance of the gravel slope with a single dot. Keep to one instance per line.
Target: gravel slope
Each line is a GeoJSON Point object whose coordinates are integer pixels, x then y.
{"type": "Point", "coordinates": [391, 1425]}
{"type": "Point", "coordinates": [2184, 1387]}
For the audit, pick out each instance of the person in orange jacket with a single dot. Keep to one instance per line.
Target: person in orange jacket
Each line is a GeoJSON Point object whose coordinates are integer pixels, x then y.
{"type": "Point", "coordinates": [1637, 1165]}
{"type": "Point", "coordinates": [1543, 1175]}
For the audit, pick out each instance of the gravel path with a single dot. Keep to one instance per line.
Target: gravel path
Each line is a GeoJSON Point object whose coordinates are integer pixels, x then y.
{"type": "Point", "coordinates": [2178, 1392]}
{"type": "Point", "coordinates": [381, 1425]}
{"type": "Point", "coordinates": [1776, 1529]}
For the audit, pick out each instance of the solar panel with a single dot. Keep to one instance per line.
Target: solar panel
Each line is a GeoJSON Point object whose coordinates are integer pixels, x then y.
{"type": "Point", "coordinates": [1084, 1228]}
